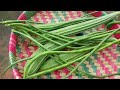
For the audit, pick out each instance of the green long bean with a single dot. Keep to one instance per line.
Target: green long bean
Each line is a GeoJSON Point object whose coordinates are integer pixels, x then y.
{"type": "Point", "coordinates": [93, 51]}
{"type": "Point", "coordinates": [65, 65]}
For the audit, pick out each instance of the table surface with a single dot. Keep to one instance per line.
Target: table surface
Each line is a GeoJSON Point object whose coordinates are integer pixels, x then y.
{"type": "Point", "coordinates": [4, 40]}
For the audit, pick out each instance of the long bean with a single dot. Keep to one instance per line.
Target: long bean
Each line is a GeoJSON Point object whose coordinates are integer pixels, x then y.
{"type": "Point", "coordinates": [61, 41]}
{"type": "Point", "coordinates": [66, 64]}
{"type": "Point", "coordinates": [93, 51]}
{"type": "Point", "coordinates": [85, 73]}
{"type": "Point", "coordinates": [59, 38]}
{"type": "Point", "coordinates": [114, 42]}
{"type": "Point", "coordinates": [11, 65]}
{"type": "Point", "coordinates": [55, 49]}
{"type": "Point", "coordinates": [93, 34]}
{"type": "Point", "coordinates": [23, 21]}
{"type": "Point", "coordinates": [42, 58]}
{"type": "Point", "coordinates": [87, 25]}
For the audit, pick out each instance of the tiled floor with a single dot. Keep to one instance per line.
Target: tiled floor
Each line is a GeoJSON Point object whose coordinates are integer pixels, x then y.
{"type": "Point", "coordinates": [4, 39]}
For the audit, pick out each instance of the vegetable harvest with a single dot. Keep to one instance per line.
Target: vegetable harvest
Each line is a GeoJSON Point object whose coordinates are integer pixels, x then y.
{"type": "Point", "coordinates": [62, 44]}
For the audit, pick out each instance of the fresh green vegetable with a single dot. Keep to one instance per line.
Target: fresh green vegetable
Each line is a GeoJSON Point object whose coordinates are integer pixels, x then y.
{"type": "Point", "coordinates": [52, 54]}
{"type": "Point", "coordinates": [93, 51]}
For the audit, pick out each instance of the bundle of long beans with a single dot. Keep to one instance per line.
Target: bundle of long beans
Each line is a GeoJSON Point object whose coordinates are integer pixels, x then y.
{"type": "Point", "coordinates": [63, 45]}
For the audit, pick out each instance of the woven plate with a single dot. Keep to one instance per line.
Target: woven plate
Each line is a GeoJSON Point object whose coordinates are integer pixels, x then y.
{"type": "Point", "coordinates": [104, 62]}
